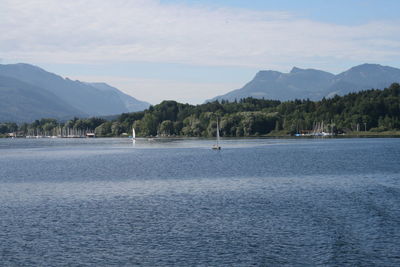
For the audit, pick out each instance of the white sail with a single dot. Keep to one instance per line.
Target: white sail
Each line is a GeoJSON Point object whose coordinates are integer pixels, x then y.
{"type": "Point", "coordinates": [217, 133]}
{"type": "Point", "coordinates": [216, 146]}
{"type": "Point", "coordinates": [133, 133]}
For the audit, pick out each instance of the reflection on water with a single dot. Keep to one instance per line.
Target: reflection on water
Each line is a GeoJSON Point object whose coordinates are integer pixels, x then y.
{"type": "Point", "coordinates": [139, 142]}
{"type": "Point", "coordinates": [177, 202]}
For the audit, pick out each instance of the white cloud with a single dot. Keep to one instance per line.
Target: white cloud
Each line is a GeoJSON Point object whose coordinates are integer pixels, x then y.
{"type": "Point", "coordinates": [102, 31]}
{"type": "Point", "coordinates": [144, 30]}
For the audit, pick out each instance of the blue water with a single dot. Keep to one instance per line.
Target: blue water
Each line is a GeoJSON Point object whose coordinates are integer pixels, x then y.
{"type": "Point", "coordinates": [102, 202]}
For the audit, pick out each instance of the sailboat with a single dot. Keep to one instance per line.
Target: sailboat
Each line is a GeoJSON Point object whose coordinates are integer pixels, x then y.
{"type": "Point", "coordinates": [216, 145]}
{"type": "Point", "coordinates": [133, 136]}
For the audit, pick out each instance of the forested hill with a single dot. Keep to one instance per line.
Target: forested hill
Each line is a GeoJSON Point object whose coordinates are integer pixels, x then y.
{"type": "Point", "coordinates": [371, 110]}
{"type": "Point", "coordinates": [379, 109]}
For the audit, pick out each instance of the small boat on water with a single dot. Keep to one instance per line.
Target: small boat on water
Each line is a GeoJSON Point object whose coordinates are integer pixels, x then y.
{"type": "Point", "coordinates": [133, 136]}
{"type": "Point", "coordinates": [216, 146]}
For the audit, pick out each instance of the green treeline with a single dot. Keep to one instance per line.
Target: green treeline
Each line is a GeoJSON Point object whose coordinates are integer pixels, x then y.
{"type": "Point", "coordinates": [371, 110]}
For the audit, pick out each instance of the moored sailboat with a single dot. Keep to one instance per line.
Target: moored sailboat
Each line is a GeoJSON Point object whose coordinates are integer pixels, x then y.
{"type": "Point", "coordinates": [216, 146]}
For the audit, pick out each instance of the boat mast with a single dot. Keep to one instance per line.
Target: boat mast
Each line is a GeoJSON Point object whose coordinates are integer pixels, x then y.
{"type": "Point", "coordinates": [217, 133]}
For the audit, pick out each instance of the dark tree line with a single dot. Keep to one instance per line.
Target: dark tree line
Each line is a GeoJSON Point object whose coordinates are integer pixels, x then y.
{"type": "Point", "coordinates": [371, 110]}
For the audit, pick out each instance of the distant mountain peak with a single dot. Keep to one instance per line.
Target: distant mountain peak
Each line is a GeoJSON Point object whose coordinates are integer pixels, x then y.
{"type": "Point", "coordinates": [296, 69]}
{"type": "Point", "coordinates": [367, 66]}
{"type": "Point", "coordinates": [314, 84]}
{"type": "Point", "coordinates": [376, 68]}
{"type": "Point", "coordinates": [267, 74]}
{"type": "Point", "coordinates": [75, 97]}
{"type": "Point", "coordinates": [25, 66]}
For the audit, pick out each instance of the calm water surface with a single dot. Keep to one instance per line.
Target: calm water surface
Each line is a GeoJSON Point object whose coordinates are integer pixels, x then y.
{"type": "Point", "coordinates": [258, 202]}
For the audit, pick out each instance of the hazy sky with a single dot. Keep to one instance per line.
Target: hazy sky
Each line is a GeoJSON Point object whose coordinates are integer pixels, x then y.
{"type": "Point", "coordinates": [191, 50]}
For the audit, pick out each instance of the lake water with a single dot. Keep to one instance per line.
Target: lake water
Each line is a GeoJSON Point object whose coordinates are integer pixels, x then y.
{"type": "Point", "coordinates": [259, 202]}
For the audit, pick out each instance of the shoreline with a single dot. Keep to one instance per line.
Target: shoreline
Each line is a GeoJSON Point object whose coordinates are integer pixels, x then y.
{"type": "Point", "coordinates": [393, 134]}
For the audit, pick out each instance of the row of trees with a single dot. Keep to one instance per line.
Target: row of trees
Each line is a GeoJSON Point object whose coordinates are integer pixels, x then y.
{"type": "Point", "coordinates": [374, 110]}
{"type": "Point", "coordinates": [50, 127]}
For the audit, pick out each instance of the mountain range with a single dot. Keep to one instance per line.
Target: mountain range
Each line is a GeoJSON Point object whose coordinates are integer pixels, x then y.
{"type": "Point", "coordinates": [314, 84]}
{"type": "Point", "coordinates": [28, 92]}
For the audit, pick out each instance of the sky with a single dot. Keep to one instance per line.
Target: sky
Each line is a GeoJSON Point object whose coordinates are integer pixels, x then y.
{"type": "Point", "coordinates": [192, 50]}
